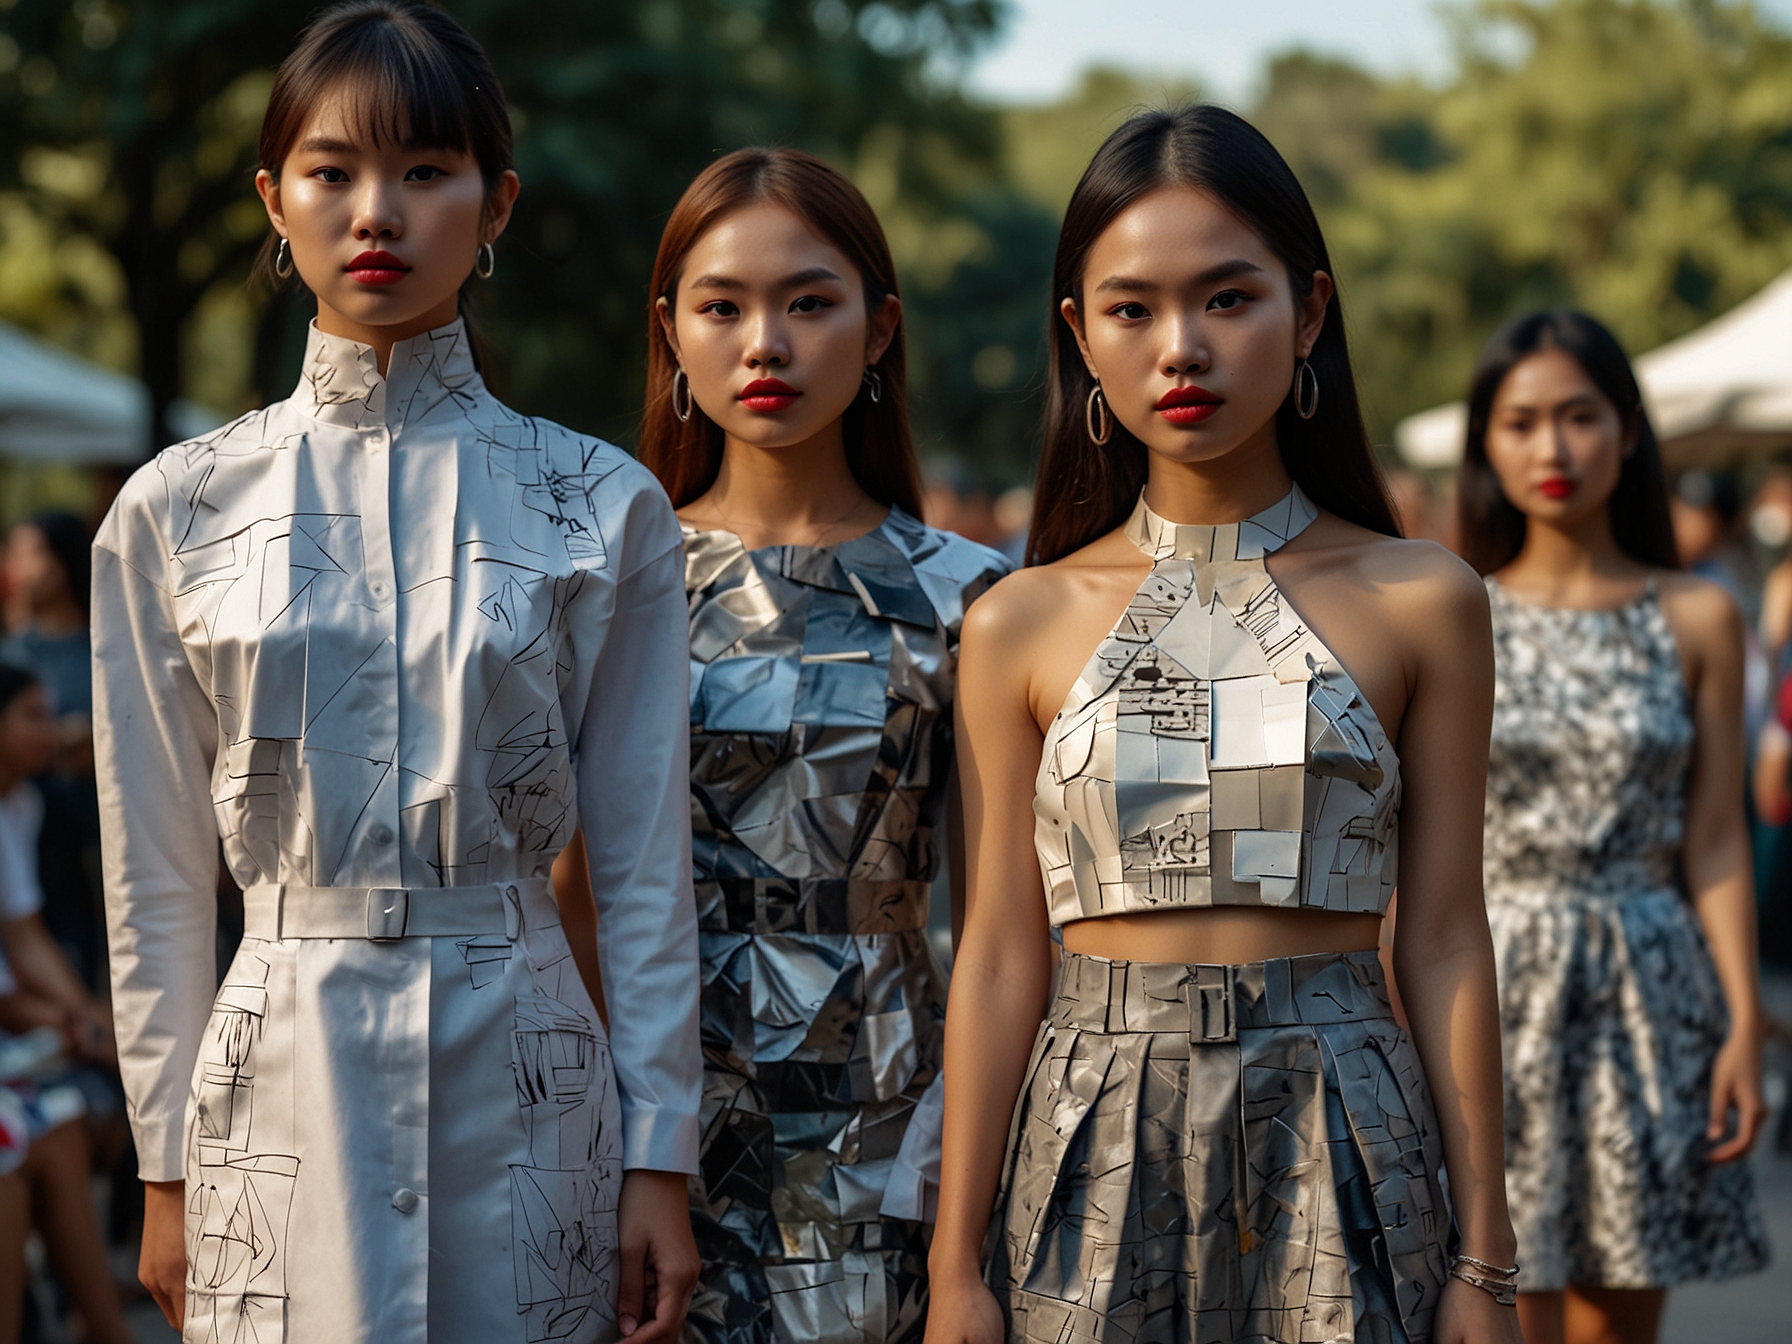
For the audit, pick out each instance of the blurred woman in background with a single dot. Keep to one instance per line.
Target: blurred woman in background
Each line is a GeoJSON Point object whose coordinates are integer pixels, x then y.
{"type": "Point", "coordinates": [824, 647]}
{"type": "Point", "coordinates": [1617, 859]}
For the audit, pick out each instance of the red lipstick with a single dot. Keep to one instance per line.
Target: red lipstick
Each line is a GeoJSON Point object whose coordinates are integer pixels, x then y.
{"type": "Point", "coordinates": [1188, 405]}
{"type": "Point", "coordinates": [768, 396]}
{"type": "Point", "coordinates": [378, 268]}
{"type": "Point", "coordinates": [1556, 487]}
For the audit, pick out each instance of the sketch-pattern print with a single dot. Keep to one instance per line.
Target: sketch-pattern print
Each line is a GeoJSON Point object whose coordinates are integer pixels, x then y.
{"type": "Point", "coordinates": [1219, 1152]}
{"type": "Point", "coordinates": [240, 1194]}
{"type": "Point", "coordinates": [822, 683]}
{"type": "Point", "coordinates": [1222, 1153]}
{"type": "Point", "coordinates": [1213, 752]}
{"type": "Point", "coordinates": [389, 634]}
{"type": "Point", "coordinates": [1610, 1006]}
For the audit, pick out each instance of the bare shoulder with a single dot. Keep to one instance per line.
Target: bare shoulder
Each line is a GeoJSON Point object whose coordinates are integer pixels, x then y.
{"type": "Point", "coordinates": [1023, 606]}
{"type": "Point", "coordinates": [1418, 581]}
{"type": "Point", "coordinates": [1700, 612]}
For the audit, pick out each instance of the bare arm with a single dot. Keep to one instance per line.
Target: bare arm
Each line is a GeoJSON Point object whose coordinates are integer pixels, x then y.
{"type": "Point", "coordinates": [44, 975]}
{"type": "Point", "coordinates": [1716, 852]}
{"type": "Point", "coordinates": [1443, 954]}
{"type": "Point", "coordinates": [1003, 969]}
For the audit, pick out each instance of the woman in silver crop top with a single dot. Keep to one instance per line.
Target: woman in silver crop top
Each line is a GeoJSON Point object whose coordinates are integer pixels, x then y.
{"type": "Point", "coordinates": [1617, 856]}
{"type": "Point", "coordinates": [1194, 737]}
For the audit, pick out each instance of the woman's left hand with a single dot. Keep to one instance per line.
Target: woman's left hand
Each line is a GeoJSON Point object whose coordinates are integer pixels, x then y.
{"type": "Point", "coordinates": [1469, 1315]}
{"type": "Point", "coordinates": [659, 1256]}
{"type": "Point", "coordinates": [1736, 1086]}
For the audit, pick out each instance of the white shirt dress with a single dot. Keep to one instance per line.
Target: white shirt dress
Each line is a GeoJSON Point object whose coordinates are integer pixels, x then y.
{"type": "Point", "coordinates": [394, 643]}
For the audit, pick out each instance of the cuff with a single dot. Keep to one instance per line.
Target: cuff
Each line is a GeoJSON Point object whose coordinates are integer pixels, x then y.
{"type": "Point", "coordinates": [657, 1139]}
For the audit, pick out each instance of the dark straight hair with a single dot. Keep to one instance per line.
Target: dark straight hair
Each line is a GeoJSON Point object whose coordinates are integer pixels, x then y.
{"type": "Point", "coordinates": [408, 75]}
{"type": "Point", "coordinates": [1492, 527]}
{"type": "Point", "coordinates": [686, 455]}
{"type": "Point", "coordinates": [1084, 491]}
{"type": "Point", "coordinates": [71, 541]}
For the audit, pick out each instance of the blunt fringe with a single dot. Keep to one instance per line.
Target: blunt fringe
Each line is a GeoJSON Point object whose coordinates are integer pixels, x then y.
{"type": "Point", "coordinates": [687, 455]}
{"type": "Point", "coordinates": [1492, 527]}
{"type": "Point", "coordinates": [1083, 491]}
{"type": "Point", "coordinates": [409, 75]}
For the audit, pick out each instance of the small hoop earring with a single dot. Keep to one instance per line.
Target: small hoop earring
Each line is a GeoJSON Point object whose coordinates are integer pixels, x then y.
{"type": "Point", "coordinates": [1306, 391]}
{"type": "Point", "coordinates": [485, 261]}
{"type": "Point", "coordinates": [283, 267]}
{"type": "Point", "coordinates": [874, 384]}
{"type": "Point", "coordinates": [682, 401]}
{"type": "Point", "coordinates": [1095, 411]}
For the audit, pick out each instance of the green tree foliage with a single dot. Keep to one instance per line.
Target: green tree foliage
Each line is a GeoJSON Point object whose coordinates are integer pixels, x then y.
{"type": "Point", "coordinates": [133, 128]}
{"type": "Point", "coordinates": [1630, 157]}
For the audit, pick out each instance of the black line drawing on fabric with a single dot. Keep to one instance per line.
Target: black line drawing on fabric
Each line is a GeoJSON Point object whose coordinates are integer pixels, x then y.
{"type": "Point", "coordinates": [239, 1199]}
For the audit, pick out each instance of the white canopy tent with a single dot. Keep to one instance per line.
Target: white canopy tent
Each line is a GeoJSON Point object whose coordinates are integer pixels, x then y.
{"type": "Point", "coordinates": [1715, 395]}
{"type": "Point", "coordinates": [55, 407]}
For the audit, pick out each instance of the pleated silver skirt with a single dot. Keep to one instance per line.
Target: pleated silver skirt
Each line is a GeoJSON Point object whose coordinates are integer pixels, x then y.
{"type": "Point", "coordinates": [1222, 1153]}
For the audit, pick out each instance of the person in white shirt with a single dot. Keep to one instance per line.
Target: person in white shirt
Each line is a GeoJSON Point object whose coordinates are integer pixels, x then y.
{"type": "Point", "coordinates": [394, 643]}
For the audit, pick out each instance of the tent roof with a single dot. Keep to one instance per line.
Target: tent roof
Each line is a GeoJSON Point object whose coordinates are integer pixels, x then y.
{"type": "Point", "coordinates": [1719, 393]}
{"type": "Point", "coordinates": [56, 407]}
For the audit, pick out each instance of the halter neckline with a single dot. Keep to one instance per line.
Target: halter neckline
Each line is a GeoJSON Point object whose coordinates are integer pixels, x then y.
{"type": "Point", "coordinates": [1251, 539]}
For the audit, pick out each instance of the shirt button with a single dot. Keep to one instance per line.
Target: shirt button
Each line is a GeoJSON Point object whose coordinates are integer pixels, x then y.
{"type": "Point", "coordinates": [380, 835]}
{"type": "Point", "coordinates": [379, 588]}
{"type": "Point", "coordinates": [404, 1199]}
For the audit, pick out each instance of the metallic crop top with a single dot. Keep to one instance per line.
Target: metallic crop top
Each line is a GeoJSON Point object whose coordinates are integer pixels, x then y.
{"type": "Point", "coordinates": [1213, 751]}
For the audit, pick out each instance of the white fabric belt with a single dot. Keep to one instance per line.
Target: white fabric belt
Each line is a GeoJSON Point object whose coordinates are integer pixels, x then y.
{"type": "Point", "coordinates": [276, 910]}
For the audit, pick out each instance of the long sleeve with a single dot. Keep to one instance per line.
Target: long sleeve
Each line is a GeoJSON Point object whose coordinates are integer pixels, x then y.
{"type": "Point", "coordinates": [155, 735]}
{"type": "Point", "coordinates": [634, 804]}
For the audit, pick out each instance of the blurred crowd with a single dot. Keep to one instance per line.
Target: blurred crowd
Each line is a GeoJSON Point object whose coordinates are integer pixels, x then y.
{"type": "Point", "coordinates": [64, 1146]}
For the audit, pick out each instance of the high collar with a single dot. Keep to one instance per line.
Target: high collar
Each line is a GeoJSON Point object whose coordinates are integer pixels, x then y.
{"type": "Point", "coordinates": [341, 384]}
{"type": "Point", "coordinates": [1251, 539]}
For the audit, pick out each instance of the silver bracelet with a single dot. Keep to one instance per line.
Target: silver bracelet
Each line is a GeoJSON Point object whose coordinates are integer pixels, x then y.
{"type": "Point", "coordinates": [1499, 1282]}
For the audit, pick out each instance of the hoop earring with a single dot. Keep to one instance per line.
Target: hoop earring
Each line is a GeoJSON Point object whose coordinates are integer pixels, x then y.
{"type": "Point", "coordinates": [1095, 411]}
{"type": "Point", "coordinates": [683, 403]}
{"type": "Point", "coordinates": [485, 261]}
{"type": "Point", "coordinates": [874, 384]}
{"type": "Point", "coordinates": [1306, 391]}
{"type": "Point", "coordinates": [283, 267]}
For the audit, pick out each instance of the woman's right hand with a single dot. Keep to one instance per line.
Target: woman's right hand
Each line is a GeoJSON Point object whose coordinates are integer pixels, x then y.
{"type": "Point", "coordinates": [162, 1266]}
{"type": "Point", "coordinates": [965, 1312]}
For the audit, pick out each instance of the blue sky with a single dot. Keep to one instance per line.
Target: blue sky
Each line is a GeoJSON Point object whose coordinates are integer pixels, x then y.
{"type": "Point", "coordinates": [1222, 42]}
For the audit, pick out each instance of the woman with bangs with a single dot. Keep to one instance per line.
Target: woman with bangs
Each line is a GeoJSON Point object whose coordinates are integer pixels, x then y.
{"type": "Point", "coordinates": [824, 623]}
{"type": "Point", "coordinates": [1197, 737]}
{"type": "Point", "coordinates": [392, 643]}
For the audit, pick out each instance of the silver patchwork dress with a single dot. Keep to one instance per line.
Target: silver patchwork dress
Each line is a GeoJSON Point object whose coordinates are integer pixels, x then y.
{"type": "Point", "coordinates": [1611, 1009]}
{"type": "Point", "coordinates": [821, 744]}
{"type": "Point", "coordinates": [1210, 1152]}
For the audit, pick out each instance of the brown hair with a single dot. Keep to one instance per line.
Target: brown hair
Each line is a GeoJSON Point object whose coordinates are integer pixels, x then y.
{"type": "Point", "coordinates": [686, 455]}
{"type": "Point", "coordinates": [411, 76]}
{"type": "Point", "coordinates": [1085, 491]}
{"type": "Point", "coordinates": [1492, 527]}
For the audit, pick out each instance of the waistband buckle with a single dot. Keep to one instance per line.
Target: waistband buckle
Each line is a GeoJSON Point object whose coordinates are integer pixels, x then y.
{"type": "Point", "coordinates": [388, 912]}
{"type": "Point", "coordinates": [1210, 1005]}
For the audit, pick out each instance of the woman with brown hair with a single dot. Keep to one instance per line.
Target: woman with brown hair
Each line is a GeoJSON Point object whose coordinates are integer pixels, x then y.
{"type": "Point", "coordinates": [392, 642]}
{"type": "Point", "coordinates": [824, 624]}
{"type": "Point", "coordinates": [1196, 736]}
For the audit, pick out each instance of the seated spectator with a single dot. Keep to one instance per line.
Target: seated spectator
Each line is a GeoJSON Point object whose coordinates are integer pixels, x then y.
{"type": "Point", "coordinates": [47, 577]}
{"type": "Point", "coordinates": [40, 992]}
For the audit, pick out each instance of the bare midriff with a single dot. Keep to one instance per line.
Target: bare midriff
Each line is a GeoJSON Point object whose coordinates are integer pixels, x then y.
{"type": "Point", "coordinates": [1221, 935]}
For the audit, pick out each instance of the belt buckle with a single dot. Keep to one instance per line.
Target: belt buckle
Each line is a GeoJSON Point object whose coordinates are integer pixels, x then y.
{"type": "Point", "coordinates": [388, 912]}
{"type": "Point", "coordinates": [1210, 1005]}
